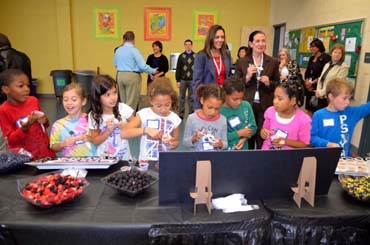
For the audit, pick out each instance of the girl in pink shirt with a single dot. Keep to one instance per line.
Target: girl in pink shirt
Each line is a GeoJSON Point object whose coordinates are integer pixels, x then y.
{"type": "Point", "coordinates": [285, 125]}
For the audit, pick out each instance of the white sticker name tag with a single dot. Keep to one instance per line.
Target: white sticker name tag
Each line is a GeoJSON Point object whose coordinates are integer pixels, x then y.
{"type": "Point", "coordinates": [153, 124]}
{"type": "Point", "coordinates": [234, 121]}
{"type": "Point", "coordinates": [328, 122]}
{"type": "Point", "coordinates": [257, 96]}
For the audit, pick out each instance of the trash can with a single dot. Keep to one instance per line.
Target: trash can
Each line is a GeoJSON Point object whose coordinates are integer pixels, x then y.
{"type": "Point", "coordinates": [61, 78]}
{"type": "Point", "coordinates": [84, 78]}
{"type": "Point", "coordinates": [34, 87]}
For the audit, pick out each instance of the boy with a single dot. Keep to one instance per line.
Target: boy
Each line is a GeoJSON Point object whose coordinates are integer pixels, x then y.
{"type": "Point", "coordinates": [21, 119]}
{"type": "Point", "coordinates": [241, 124]}
{"type": "Point", "coordinates": [333, 126]}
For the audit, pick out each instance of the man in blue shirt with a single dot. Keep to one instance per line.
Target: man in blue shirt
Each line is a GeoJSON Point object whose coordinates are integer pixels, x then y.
{"type": "Point", "coordinates": [130, 63]}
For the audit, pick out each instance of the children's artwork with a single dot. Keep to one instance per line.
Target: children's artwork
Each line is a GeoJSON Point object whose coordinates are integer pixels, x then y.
{"type": "Point", "coordinates": [106, 23]}
{"type": "Point", "coordinates": [307, 35]}
{"type": "Point", "coordinates": [203, 19]}
{"type": "Point", "coordinates": [157, 24]}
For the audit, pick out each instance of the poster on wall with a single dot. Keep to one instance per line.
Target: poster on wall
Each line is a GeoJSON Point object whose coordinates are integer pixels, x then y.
{"type": "Point", "coordinates": [307, 35]}
{"type": "Point", "coordinates": [106, 23]}
{"type": "Point", "coordinates": [203, 19]}
{"type": "Point", "coordinates": [157, 24]}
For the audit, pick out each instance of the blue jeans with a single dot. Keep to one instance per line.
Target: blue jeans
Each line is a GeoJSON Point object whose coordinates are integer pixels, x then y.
{"type": "Point", "coordinates": [186, 85]}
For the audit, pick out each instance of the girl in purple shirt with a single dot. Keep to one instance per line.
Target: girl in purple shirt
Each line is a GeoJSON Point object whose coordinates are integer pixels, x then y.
{"type": "Point", "coordinates": [285, 125]}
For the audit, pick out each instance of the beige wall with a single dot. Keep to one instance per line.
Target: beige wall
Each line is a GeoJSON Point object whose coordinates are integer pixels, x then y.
{"type": "Point", "coordinates": [298, 13]}
{"type": "Point", "coordinates": [58, 34]}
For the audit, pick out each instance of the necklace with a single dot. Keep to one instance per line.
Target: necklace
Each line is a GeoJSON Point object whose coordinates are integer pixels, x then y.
{"type": "Point", "coordinates": [217, 67]}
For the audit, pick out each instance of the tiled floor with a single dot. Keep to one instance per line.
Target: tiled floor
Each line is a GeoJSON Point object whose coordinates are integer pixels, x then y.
{"type": "Point", "coordinates": [53, 107]}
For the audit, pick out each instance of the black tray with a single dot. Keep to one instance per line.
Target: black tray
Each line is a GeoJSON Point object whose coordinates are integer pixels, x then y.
{"type": "Point", "coordinates": [127, 192]}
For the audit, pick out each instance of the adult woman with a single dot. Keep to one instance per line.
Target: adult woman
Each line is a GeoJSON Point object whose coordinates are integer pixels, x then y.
{"type": "Point", "coordinates": [242, 52]}
{"type": "Point", "coordinates": [213, 62]}
{"type": "Point", "coordinates": [260, 73]}
{"type": "Point", "coordinates": [157, 60]}
{"type": "Point", "coordinates": [288, 68]}
{"type": "Point", "coordinates": [336, 68]}
{"type": "Point", "coordinates": [314, 68]}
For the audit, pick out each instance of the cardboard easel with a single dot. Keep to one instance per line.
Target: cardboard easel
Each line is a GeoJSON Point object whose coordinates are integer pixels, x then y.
{"type": "Point", "coordinates": [306, 182]}
{"type": "Point", "coordinates": [203, 193]}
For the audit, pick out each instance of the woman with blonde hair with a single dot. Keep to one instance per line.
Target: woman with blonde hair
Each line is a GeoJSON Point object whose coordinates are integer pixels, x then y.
{"type": "Point", "coordinates": [336, 68]}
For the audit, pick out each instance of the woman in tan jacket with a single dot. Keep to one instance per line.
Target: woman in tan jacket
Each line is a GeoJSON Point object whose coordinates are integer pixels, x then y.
{"type": "Point", "coordinates": [336, 68]}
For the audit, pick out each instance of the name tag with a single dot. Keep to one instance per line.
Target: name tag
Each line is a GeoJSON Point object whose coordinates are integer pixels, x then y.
{"type": "Point", "coordinates": [152, 124]}
{"type": "Point", "coordinates": [23, 120]}
{"type": "Point", "coordinates": [328, 122]}
{"type": "Point", "coordinates": [234, 121]}
{"type": "Point", "coordinates": [207, 146]}
{"type": "Point", "coordinates": [257, 96]}
{"type": "Point", "coordinates": [279, 134]}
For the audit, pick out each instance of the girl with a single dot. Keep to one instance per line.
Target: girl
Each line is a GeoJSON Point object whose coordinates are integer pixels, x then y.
{"type": "Point", "coordinates": [206, 129]}
{"type": "Point", "coordinates": [158, 116]}
{"type": "Point", "coordinates": [22, 122]}
{"type": "Point", "coordinates": [239, 115]}
{"type": "Point", "coordinates": [285, 125]}
{"type": "Point", "coordinates": [70, 134]}
{"type": "Point", "coordinates": [107, 117]}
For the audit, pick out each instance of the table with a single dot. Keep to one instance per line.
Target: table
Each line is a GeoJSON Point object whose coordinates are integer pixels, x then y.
{"type": "Point", "coordinates": [103, 216]}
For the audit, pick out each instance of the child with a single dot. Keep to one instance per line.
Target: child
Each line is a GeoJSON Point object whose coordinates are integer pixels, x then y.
{"type": "Point", "coordinates": [70, 134]}
{"type": "Point", "coordinates": [286, 126]}
{"type": "Point", "coordinates": [206, 129]}
{"type": "Point", "coordinates": [3, 143]}
{"type": "Point", "coordinates": [239, 115]}
{"type": "Point", "coordinates": [107, 117]}
{"type": "Point", "coordinates": [333, 125]}
{"type": "Point", "coordinates": [21, 119]}
{"type": "Point", "coordinates": [162, 98]}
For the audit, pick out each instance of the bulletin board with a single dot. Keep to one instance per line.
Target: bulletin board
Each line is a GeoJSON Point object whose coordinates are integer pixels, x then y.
{"type": "Point", "coordinates": [347, 33]}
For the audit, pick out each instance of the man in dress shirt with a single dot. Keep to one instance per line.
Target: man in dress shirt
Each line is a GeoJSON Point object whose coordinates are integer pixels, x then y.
{"type": "Point", "coordinates": [130, 63]}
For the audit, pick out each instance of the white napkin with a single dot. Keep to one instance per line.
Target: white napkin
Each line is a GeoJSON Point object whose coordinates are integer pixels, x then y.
{"type": "Point", "coordinates": [233, 203]}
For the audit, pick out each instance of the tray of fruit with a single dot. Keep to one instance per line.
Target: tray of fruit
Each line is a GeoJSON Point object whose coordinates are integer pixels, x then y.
{"type": "Point", "coordinates": [131, 181]}
{"type": "Point", "coordinates": [74, 162]}
{"type": "Point", "coordinates": [51, 189]}
{"type": "Point", "coordinates": [356, 186]}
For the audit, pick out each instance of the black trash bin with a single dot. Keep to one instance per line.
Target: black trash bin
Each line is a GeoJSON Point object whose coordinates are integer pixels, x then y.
{"type": "Point", "coordinates": [84, 77]}
{"type": "Point", "coordinates": [61, 78]}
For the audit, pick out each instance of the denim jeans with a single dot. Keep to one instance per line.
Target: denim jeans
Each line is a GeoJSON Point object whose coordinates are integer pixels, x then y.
{"type": "Point", "coordinates": [186, 85]}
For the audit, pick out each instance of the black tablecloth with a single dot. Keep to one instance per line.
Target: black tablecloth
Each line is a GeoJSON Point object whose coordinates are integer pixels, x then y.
{"type": "Point", "coordinates": [103, 216]}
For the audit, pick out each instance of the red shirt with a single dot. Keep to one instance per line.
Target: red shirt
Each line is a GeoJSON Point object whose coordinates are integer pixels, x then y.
{"type": "Point", "coordinates": [34, 140]}
{"type": "Point", "coordinates": [220, 73]}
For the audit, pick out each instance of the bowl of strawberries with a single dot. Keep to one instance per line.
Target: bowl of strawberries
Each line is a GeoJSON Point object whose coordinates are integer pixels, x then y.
{"type": "Point", "coordinates": [51, 189]}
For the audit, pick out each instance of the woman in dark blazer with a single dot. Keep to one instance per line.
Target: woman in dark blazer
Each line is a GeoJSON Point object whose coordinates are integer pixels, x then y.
{"type": "Point", "coordinates": [157, 60]}
{"type": "Point", "coordinates": [213, 63]}
{"type": "Point", "coordinates": [260, 73]}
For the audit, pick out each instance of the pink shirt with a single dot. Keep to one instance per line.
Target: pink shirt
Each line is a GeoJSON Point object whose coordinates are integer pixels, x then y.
{"type": "Point", "coordinates": [298, 128]}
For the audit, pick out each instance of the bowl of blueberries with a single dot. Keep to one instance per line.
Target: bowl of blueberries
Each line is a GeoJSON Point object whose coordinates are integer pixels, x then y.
{"type": "Point", "coordinates": [130, 181]}
{"type": "Point", "coordinates": [13, 160]}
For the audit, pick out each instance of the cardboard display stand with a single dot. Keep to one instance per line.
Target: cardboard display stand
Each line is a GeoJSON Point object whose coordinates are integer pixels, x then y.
{"type": "Point", "coordinates": [306, 182]}
{"type": "Point", "coordinates": [203, 186]}
{"type": "Point", "coordinates": [259, 174]}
